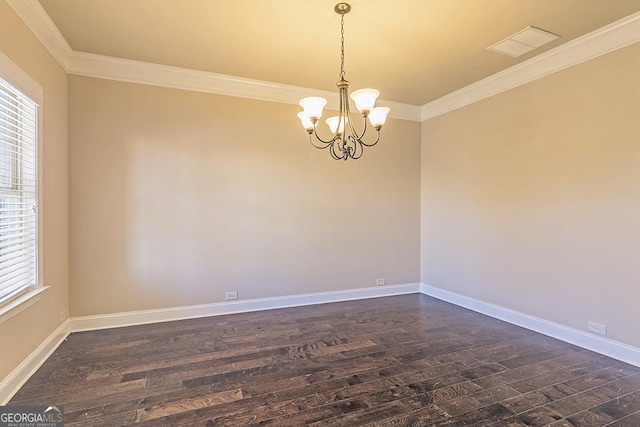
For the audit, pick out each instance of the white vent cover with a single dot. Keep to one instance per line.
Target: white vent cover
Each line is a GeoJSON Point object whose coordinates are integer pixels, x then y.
{"type": "Point", "coordinates": [524, 41]}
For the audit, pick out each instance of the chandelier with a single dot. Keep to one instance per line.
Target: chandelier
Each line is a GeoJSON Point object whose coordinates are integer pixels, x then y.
{"type": "Point", "coordinates": [346, 141]}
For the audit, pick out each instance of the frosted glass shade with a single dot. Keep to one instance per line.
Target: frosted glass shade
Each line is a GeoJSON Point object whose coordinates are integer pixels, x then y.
{"type": "Point", "coordinates": [365, 99]}
{"type": "Point", "coordinates": [313, 106]}
{"type": "Point", "coordinates": [333, 124]}
{"type": "Point", "coordinates": [306, 121]}
{"type": "Point", "coordinates": [378, 116]}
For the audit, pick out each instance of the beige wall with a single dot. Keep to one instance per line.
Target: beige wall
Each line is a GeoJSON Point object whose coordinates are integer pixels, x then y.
{"type": "Point", "coordinates": [178, 197]}
{"type": "Point", "coordinates": [531, 199]}
{"type": "Point", "coordinates": [21, 334]}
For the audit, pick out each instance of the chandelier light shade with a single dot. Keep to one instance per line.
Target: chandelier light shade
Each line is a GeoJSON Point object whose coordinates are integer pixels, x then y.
{"type": "Point", "coordinates": [346, 142]}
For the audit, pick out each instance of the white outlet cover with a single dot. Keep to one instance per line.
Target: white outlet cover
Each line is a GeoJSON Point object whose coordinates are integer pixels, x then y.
{"type": "Point", "coordinates": [597, 328]}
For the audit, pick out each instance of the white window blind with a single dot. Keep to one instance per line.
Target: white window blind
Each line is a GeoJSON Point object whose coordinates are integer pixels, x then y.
{"type": "Point", "coordinates": [18, 213]}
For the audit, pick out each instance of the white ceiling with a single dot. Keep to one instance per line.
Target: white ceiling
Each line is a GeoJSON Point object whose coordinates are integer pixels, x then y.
{"type": "Point", "coordinates": [413, 51]}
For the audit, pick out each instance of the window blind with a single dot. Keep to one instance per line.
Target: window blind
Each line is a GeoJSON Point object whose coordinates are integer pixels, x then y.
{"type": "Point", "coordinates": [18, 213]}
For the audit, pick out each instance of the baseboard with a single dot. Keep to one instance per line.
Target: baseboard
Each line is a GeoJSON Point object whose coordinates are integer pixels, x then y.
{"type": "Point", "coordinates": [602, 345]}
{"type": "Point", "coordinates": [16, 379]}
{"type": "Point", "coordinates": [12, 383]}
{"type": "Point", "coordinates": [131, 318]}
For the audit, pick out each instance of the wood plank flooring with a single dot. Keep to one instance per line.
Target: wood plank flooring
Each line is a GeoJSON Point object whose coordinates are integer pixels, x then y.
{"type": "Point", "coordinates": [407, 360]}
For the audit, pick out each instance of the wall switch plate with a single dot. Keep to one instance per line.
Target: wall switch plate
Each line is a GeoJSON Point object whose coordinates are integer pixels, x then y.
{"type": "Point", "coordinates": [381, 282]}
{"type": "Point", "coordinates": [597, 328]}
{"type": "Point", "coordinates": [230, 296]}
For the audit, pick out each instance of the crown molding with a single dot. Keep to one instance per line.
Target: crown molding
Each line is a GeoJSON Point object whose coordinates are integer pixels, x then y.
{"type": "Point", "coordinates": [105, 67]}
{"type": "Point", "coordinates": [617, 35]}
{"type": "Point", "coordinates": [126, 70]}
{"type": "Point", "coordinates": [39, 22]}
{"type": "Point", "coordinates": [12, 73]}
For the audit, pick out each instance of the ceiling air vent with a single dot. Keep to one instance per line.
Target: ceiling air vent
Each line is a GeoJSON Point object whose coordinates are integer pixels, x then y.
{"type": "Point", "coordinates": [524, 41]}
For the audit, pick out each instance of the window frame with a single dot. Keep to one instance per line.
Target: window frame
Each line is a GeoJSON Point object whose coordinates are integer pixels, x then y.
{"type": "Point", "coordinates": [18, 78]}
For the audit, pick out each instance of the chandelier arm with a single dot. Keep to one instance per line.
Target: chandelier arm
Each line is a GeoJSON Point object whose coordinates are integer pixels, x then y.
{"type": "Point", "coordinates": [320, 147]}
{"type": "Point", "coordinates": [354, 131]}
{"type": "Point", "coordinates": [332, 150]}
{"type": "Point", "coordinates": [330, 141]}
{"type": "Point", "coordinates": [352, 127]}
{"type": "Point", "coordinates": [344, 109]}
{"type": "Point", "coordinates": [356, 156]}
{"type": "Point", "coordinates": [371, 144]}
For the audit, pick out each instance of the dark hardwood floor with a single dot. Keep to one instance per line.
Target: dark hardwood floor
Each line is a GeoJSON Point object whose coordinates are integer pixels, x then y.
{"type": "Point", "coordinates": [400, 361]}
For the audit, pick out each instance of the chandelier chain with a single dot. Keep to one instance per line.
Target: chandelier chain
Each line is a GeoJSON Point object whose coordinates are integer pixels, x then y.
{"type": "Point", "coordinates": [342, 47]}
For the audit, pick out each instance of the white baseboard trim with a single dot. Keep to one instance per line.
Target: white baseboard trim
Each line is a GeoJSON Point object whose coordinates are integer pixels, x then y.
{"type": "Point", "coordinates": [12, 383]}
{"type": "Point", "coordinates": [16, 379]}
{"type": "Point", "coordinates": [131, 318]}
{"type": "Point", "coordinates": [605, 346]}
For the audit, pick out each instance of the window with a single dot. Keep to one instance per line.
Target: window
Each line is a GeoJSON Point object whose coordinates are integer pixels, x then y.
{"type": "Point", "coordinates": [18, 178]}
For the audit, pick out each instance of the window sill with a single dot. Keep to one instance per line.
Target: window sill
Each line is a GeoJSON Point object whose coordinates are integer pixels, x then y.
{"type": "Point", "coordinates": [20, 303]}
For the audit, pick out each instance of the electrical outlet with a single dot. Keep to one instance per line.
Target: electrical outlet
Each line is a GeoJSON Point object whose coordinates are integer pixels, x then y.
{"type": "Point", "coordinates": [597, 328]}
{"type": "Point", "coordinates": [381, 282]}
{"type": "Point", "coordinates": [230, 296]}
{"type": "Point", "coordinates": [63, 316]}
